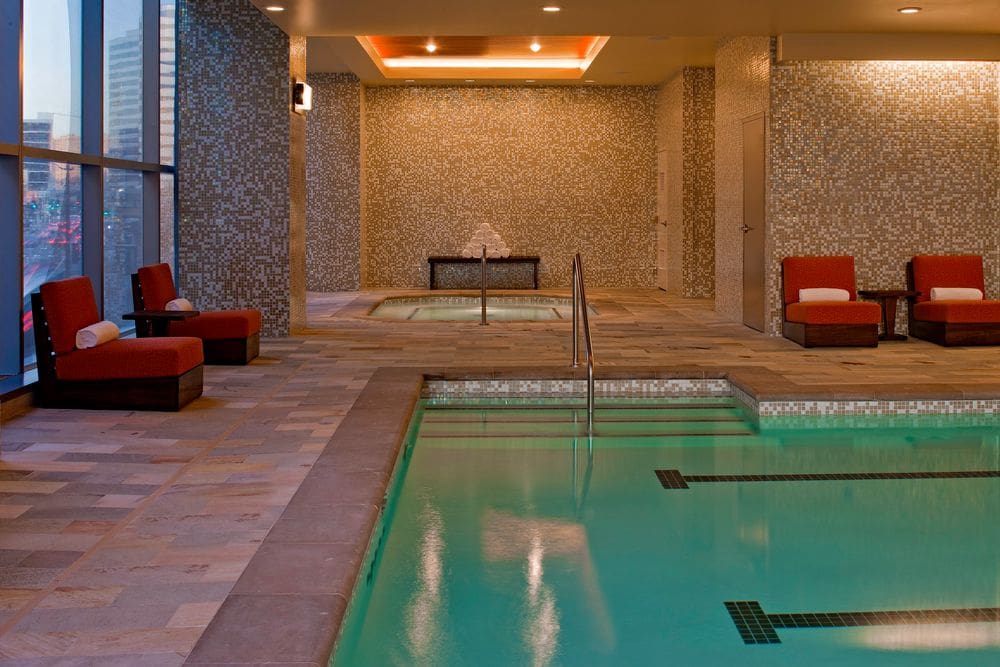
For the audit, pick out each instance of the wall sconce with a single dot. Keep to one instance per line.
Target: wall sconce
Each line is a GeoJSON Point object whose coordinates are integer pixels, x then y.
{"type": "Point", "coordinates": [302, 97]}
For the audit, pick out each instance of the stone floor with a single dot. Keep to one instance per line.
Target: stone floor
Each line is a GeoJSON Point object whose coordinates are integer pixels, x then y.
{"type": "Point", "coordinates": [121, 534]}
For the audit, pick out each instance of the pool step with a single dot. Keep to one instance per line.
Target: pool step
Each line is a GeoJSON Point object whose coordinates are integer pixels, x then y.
{"type": "Point", "coordinates": [641, 423]}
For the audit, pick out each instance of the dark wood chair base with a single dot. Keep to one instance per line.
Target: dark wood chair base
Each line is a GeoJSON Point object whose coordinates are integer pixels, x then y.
{"type": "Point", "coordinates": [831, 335]}
{"type": "Point", "coordinates": [232, 351]}
{"type": "Point", "coordinates": [952, 334]}
{"type": "Point", "coordinates": [164, 393]}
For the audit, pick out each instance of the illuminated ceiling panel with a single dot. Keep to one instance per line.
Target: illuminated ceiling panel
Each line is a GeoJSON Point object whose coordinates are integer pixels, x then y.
{"type": "Point", "coordinates": [482, 57]}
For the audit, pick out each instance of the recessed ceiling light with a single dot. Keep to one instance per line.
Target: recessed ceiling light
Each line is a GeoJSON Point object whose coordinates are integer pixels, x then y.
{"type": "Point", "coordinates": [529, 80]}
{"type": "Point", "coordinates": [275, 8]}
{"type": "Point", "coordinates": [909, 10]}
{"type": "Point", "coordinates": [589, 81]}
{"type": "Point", "coordinates": [535, 47]}
{"type": "Point", "coordinates": [409, 81]}
{"type": "Point", "coordinates": [551, 9]}
{"type": "Point", "coordinates": [431, 47]}
{"type": "Point", "coordinates": [470, 80]}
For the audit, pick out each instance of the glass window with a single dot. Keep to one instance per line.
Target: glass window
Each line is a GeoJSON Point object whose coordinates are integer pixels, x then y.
{"type": "Point", "coordinates": [122, 241]}
{"type": "Point", "coordinates": [52, 76]}
{"type": "Point", "coordinates": [123, 79]}
{"type": "Point", "coordinates": [53, 246]}
{"type": "Point", "coordinates": [168, 77]}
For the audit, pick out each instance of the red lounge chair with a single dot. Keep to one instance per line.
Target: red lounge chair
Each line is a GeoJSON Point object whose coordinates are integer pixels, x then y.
{"type": "Point", "coordinates": [951, 322]}
{"type": "Point", "coordinates": [230, 336]}
{"type": "Point", "coordinates": [131, 374]}
{"type": "Point", "coordinates": [826, 323]}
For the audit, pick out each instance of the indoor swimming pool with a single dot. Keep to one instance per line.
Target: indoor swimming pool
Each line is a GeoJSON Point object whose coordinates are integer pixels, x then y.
{"type": "Point", "coordinates": [469, 308]}
{"type": "Point", "coordinates": [680, 533]}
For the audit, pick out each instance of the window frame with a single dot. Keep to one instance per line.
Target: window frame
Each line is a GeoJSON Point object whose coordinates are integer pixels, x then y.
{"type": "Point", "coordinates": [91, 158]}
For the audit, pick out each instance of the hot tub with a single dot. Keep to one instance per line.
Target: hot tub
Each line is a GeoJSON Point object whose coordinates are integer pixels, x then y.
{"type": "Point", "coordinates": [468, 308]}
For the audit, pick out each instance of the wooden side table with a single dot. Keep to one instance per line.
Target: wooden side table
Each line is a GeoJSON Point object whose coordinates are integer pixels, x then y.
{"type": "Point", "coordinates": [154, 322]}
{"type": "Point", "coordinates": [888, 299]}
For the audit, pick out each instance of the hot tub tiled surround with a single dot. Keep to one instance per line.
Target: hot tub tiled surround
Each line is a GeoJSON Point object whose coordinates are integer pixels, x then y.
{"type": "Point", "coordinates": [304, 573]}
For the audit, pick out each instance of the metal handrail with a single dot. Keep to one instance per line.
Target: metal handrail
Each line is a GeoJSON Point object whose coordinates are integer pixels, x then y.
{"type": "Point", "coordinates": [580, 305]}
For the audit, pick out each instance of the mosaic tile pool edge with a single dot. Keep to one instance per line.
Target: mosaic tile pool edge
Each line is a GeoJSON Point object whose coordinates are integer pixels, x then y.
{"type": "Point", "coordinates": [765, 412]}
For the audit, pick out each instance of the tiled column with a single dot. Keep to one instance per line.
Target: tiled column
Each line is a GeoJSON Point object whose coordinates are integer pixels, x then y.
{"type": "Point", "coordinates": [241, 182]}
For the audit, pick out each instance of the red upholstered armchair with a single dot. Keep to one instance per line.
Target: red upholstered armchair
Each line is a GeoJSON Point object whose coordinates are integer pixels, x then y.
{"type": "Point", "coordinates": [826, 322]}
{"type": "Point", "coordinates": [229, 336]}
{"type": "Point", "coordinates": [951, 321]}
{"type": "Point", "coordinates": [132, 374]}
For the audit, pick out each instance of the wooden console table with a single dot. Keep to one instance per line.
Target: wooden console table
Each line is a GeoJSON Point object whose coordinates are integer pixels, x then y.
{"type": "Point", "coordinates": [434, 261]}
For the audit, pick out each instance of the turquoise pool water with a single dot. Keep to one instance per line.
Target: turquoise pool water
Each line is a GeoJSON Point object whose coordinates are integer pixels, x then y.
{"type": "Point", "coordinates": [514, 539]}
{"type": "Point", "coordinates": [468, 308]}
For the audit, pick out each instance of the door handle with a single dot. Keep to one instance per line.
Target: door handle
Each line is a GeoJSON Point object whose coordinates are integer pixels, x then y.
{"type": "Point", "coordinates": [745, 228]}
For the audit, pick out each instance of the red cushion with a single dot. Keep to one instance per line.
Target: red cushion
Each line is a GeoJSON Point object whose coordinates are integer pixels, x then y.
{"type": "Point", "coordinates": [834, 312]}
{"type": "Point", "coordinates": [157, 286]}
{"type": "Point", "coordinates": [131, 358]}
{"type": "Point", "coordinates": [946, 271]}
{"type": "Point", "coordinates": [806, 272]}
{"type": "Point", "coordinates": [69, 306]}
{"type": "Point", "coordinates": [219, 324]}
{"type": "Point", "coordinates": [977, 312]}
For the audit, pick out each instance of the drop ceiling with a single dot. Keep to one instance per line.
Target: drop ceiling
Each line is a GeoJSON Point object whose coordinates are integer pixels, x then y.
{"type": "Point", "coordinates": [648, 39]}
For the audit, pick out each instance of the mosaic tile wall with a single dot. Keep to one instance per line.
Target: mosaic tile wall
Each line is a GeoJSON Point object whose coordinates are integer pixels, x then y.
{"type": "Point", "coordinates": [333, 156]}
{"type": "Point", "coordinates": [234, 190]}
{"type": "Point", "coordinates": [552, 169]}
{"type": "Point", "coordinates": [297, 192]}
{"type": "Point", "coordinates": [686, 163]}
{"type": "Point", "coordinates": [884, 160]}
{"type": "Point", "coordinates": [670, 161]}
{"type": "Point", "coordinates": [742, 71]}
{"type": "Point", "coordinates": [699, 182]}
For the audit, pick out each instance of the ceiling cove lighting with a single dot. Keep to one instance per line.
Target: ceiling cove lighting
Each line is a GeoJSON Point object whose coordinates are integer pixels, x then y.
{"type": "Point", "coordinates": [483, 63]}
{"type": "Point", "coordinates": [551, 9]}
{"type": "Point", "coordinates": [909, 10]}
{"type": "Point", "coordinates": [482, 56]}
{"type": "Point", "coordinates": [275, 8]}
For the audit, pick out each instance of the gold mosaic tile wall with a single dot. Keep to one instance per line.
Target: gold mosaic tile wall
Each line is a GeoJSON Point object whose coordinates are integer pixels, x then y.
{"type": "Point", "coordinates": [233, 160]}
{"type": "Point", "coordinates": [669, 188]}
{"type": "Point", "coordinates": [685, 155]}
{"type": "Point", "coordinates": [884, 160]}
{"type": "Point", "coordinates": [699, 182]}
{"type": "Point", "coordinates": [297, 192]}
{"type": "Point", "coordinates": [552, 169]}
{"type": "Point", "coordinates": [742, 72]}
{"type": "Point", "coordinates": [333, 155]}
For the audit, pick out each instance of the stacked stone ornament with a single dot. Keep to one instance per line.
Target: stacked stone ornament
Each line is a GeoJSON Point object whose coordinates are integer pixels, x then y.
{"type": "Point", "coordinates": [485, 236]}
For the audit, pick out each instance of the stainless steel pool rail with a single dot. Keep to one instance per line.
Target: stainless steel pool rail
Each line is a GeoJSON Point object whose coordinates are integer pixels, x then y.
{"type": "Point", "coordinates": [482, 290]}
{"type": "Point", "coordinates": [580, 306]}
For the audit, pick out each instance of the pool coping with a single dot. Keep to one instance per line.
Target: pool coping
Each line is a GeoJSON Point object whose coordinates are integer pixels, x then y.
{"type": "Point", "coordinates": [288, 606]}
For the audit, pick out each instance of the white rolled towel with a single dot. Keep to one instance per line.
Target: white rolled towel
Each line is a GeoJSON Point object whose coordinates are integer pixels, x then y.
{"type": "Point", "coordinates": [823, 294]}
{"type": "Point", "coordinates": [466, 252]}
{"type": "Point", "coordinates": [485, 226]}
{"type": "Point", "coordinates": [505, 252]}
{"type": "Point", "coordinates": [179, 304]}
{"type": "Point", "coordinates": [956, 294]}
{"type": "Point", "coordinates": [96, 334]}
